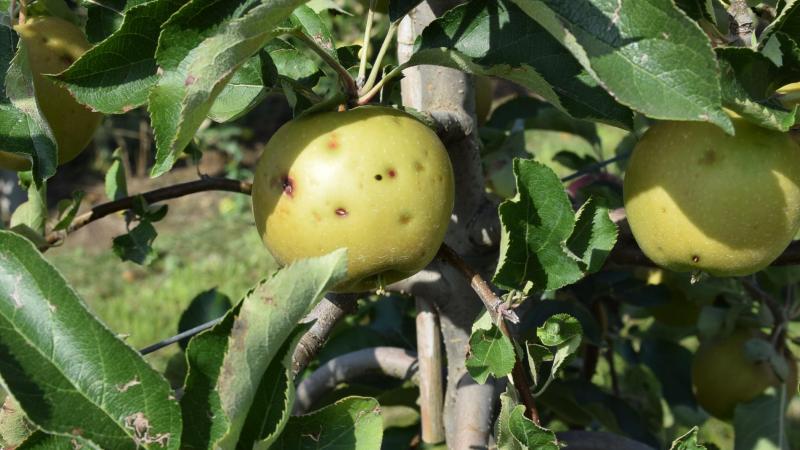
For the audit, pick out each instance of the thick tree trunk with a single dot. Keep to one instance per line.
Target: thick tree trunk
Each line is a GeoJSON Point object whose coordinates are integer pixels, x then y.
{"type": "Point", "coordinates": [448, 96]}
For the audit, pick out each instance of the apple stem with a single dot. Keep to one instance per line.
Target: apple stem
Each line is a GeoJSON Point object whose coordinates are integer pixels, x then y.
{"type": "Point", "coordinates": [369, 95]}
{"type": "Point", "coordinates": [376, 66]}
{"type": "Point", "coordinates": [362, 67]}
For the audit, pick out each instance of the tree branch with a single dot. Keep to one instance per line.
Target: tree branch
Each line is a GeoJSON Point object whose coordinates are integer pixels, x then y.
{"type": "Point", "coordinates": [325, 316]}
{"type": "Point", "coordinates": [394, 362]}
{"type": "Point", "coordinates": [429, 349]}
{"type": "Point", "coordinates": [157, 195]}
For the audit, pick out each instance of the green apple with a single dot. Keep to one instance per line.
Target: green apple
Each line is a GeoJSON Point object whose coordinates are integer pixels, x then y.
{"type": "Point", "coordinates": [53, 44]}
{"type": "Point", "coordinates": [723, 376]}
{"type": "Point", "coordinates": [698, 199]}
{"type": "Point", "coordinates": [371, 179]}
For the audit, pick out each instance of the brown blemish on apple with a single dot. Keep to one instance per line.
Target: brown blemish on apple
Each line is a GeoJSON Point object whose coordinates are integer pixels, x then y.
{"type": "Point", "coordinates": [418, 166]}
{"type": "Point", "coordinates": [378, 177]}
{"type": "Point", "coordinates": [709, 157]}
{"type": "Point", "coordinates": [695, 259]}
{"type": "Point", "coordinates": [405, 218]}
{"type": "Point", "coordinates": [317, 217]}
{"type": "Point", "coordinates": [341, 212]}
{"type": "Point", "coordinates": [333, 142]}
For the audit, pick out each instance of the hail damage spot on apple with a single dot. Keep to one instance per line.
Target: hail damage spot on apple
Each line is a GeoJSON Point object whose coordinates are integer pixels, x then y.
{"type": "Point", "coordinates": [418, 167]}
{"type": "Point", "coordinates": [333, 142]}
{"type": "Point", "coordinates": [378, 177]}
{"type": "Point", "coordinates": [341, 212]}
{"type": "Point", "coordinates": [695, 258]}
{"type": "Point", "coordinates": [405, 218]}
{"type": "Point", "coordinates": [392, 173]}
{"type": "Point", "coordinates": [288, 185]}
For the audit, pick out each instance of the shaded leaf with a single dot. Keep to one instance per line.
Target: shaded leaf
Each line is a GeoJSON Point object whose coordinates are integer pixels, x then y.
{"type": "Point", "coordinates": [648, 54]}
{"type": "Point", "coordinates": [136, 245]}
{"type": "Point", "coordinates": [490, 353]}
{"type": "Point", "coordinates": [205, 307]}
{"type": "Point", "coordinates": [594, 236]}
{"type": "Point", "coordinates": [67, 209]}
{"type": "Point", "coordinates": [528, 433]}
{"type": "Point", "coordinates": [353, 423]}
{"type": "Point", "coordinates": [116, 75]}
{"type": "Point", "coordinates": [66, 369]}
{"type": "Point", "coordinates": [116, 184]}
{"type": "Point", "coordinates": [484, 37]}
{"type": "Point", "coordinates": [761, 423]}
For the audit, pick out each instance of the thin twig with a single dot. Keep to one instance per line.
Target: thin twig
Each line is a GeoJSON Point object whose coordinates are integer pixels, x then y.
{"type": "Point", "coordinates": [596, 166]}
{"type": "Point", "coordinates": [362, 66]}
{"type": "Point", "coordinates": [325, 315]}
{"type": "Point", "coordinates": [180, 336]}
{"type": "Point", "coordinates": [778, 313]}
{"type": "Point", "coordinates": [429, 355]}
{"type": "Point", "coordinates": [366, 98]}
{"type": "Point", "coordinates": [376, 66]}
{"type": "Point", "coordinates": [491, 301]}
{"type": "Point", "coordinates": [157, 195]}
{"type": "Point", "coordinates": [499, 313]}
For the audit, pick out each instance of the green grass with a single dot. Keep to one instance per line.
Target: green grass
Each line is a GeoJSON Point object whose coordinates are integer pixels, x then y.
{"type": "Point", "coordinates": [145, 303]}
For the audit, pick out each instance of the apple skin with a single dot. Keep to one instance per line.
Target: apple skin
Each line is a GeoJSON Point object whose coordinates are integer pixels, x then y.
{"type": "Point", "coordinates": [698, 199]}
{"type": "Point", "coordinates": [723, 377]}
{"type": "Point", "coordinates": [53, 44]}
{"type": "Point", "coordinates": [372, 179]}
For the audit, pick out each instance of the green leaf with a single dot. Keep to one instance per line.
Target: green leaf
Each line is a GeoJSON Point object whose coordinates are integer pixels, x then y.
{"type": "Point", "coordinates": [136, 245]}
{"type": "Point", "coordinates": [23, 128]}
{"type": "Point", "coordinates": [353, 423]}
{"type": "Point", "coordinates": [67, 209]}
{"type": "Point", "coordinates": [103, 18]}
{"type": "Point", "coordinates": [536, 225]}
{"type": "Point", "coordinates": [529, 434]}
{"type": "Point", "coordinates": [66, 369]}
{"type": "Point", "coordinates": [648, 54]}
{"type": "Point", "coordinates": [198, 59]}
{"type": "Point", "coordinates": [32, 213]}
{"type": "Point", "coordinates": [563, 332]}
{"type": "Point", "coordinates": [40, 440]}
{"type": "Point", "coordinates": [502, 426]}
{"type": "Point", "coordinates": [788, 22]}
{"type": "Point", "coordinates": [245, 90]}
{"type": "Point", "coordinates": [698, 9]}
{"type": "Point", "coordinates": [490, 353]}
{"type": "Point", "coordinates": [748, 78]}
{"type": "Point", "coordinates": [116, 183]}
{"type": "Point", "coordinates": [483, 37]}
{"type": "Point", "coordinates": [205, 307]}
{"type": "Point", "coordinates": [228, 365]}
{"type": "Point", "coordinates": [688, 441]}
{"type": "Point", "coordinates": [594, 236]}
{"type": "Point", "coordinates": [761, 423]}
{"type": "Point", "coordinates": [311, 25]}
{"type": "Point", "coordinates": [116, 75]}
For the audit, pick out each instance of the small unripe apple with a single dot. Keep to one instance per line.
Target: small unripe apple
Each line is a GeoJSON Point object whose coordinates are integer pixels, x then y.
{"type": "Point", "coordinates": [53, 44]}
{"type": "Point", "coordinates": [698, 199]}
{"type": "Point", "coordinates": [372, 179]}
{"type": "Point", "coordinates": [723, 376]}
